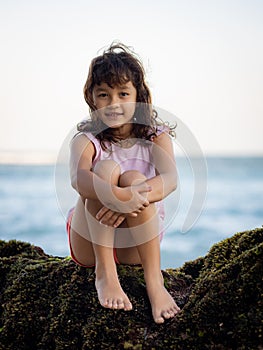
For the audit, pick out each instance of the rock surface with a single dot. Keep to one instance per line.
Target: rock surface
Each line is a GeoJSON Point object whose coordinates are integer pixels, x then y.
{"type": "Point", "coordinates": [50, 303]}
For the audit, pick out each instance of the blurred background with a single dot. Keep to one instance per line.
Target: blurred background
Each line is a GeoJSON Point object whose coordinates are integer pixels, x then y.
{"type": "Point", "coordinates": [203, 62]}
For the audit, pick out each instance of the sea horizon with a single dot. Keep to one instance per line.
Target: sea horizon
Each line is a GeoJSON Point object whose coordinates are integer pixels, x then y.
{"type": "Point", "coordinates": [19, 157]}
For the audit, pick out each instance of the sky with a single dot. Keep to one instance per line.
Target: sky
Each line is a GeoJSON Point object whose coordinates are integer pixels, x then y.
{"type": "Point", "coordinates": [203, 59]}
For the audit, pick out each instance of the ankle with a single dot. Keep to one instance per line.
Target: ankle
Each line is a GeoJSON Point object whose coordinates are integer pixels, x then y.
{"type": "Point", "coordinates": [102, 271]}
{"type": "Point", "coordinates": [155, 279]}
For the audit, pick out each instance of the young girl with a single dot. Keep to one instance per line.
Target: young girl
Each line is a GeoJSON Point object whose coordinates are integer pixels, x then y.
{"type": "Point", "coordinates": [122, 165]}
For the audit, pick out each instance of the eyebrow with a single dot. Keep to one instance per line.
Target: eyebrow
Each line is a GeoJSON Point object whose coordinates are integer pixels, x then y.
{"type": "Point", "coordinates": [121, 87]}
{"type": "Point", "coordinates": [124, 87]}
{"type": "Point", "coordinates": [98, 89]}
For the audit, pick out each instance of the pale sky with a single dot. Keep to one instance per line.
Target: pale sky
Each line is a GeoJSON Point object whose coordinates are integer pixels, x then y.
{"type": "Point", "coordinates": [204, 63]}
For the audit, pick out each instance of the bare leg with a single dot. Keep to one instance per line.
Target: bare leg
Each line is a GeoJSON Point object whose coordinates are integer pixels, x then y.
{"type": "Point", "coordinates": [80, 240]}
{"type": "Point", "coordinates": [109, 290]}
{"type": "Point", "coordinates": [146, 223]}
{"type": "Point", "coordinates": [163, 305]}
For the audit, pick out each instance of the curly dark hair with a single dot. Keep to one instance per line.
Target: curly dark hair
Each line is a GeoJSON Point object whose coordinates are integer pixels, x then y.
{"type": "Point", "coordinates": [116, 66]}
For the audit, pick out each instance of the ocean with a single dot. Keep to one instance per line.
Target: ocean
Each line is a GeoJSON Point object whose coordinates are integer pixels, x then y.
{"type": "Point", "coordinates": [199, 213]}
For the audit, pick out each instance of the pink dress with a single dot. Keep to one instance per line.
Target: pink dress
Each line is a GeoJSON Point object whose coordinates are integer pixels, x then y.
{"type": "Point", "coordinates": [136, 157]}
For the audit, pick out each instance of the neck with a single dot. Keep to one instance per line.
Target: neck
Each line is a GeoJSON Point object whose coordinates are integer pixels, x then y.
{"type": "Point", "coordinates": [123, 132]}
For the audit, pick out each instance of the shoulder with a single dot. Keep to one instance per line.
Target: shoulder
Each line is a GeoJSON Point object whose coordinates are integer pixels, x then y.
{"type": "Point", "coordinates": [162, 134]}
{"type": "Point", "coordinates": [161, 129]}
{"type": "Point", "coordinates": [164, 141]}
{"type": "Point", "coordinates": [81, 137]}
{"type": "Point", "coordinates": [82, 143]}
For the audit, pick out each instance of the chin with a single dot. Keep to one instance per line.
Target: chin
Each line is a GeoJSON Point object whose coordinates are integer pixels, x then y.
{"type": "Point", "coordinates": [114, 124]}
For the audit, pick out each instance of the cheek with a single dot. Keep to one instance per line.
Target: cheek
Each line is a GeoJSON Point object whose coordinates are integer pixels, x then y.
{"type": "Point", "coordinates": [100, 113]}
{"type": "Point", "coordinates": [99, 105]}
{"type": "Point", "coordinates": [95, 102]}
{"type": "Point", "coordinates": [130, 107]}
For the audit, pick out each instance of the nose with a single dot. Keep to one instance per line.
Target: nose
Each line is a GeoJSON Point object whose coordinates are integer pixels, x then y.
{"type": "Point", "coordinates": [114, 102]}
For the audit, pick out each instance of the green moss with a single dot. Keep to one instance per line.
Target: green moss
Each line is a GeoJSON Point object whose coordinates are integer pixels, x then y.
{"type": "Point", "coordinates": [51, 303]}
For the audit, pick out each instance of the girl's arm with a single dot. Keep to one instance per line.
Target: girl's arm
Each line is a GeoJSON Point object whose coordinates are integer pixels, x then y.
{"type": "Point", "coordinates": [91, 186]}
{"type": "Point", "coordinates": [165, 181]}
{"type": "Point", "coordinates": [82, 152]}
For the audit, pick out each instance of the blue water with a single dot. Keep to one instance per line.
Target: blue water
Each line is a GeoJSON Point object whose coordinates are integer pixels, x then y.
{"type": "Point", "coordinates": [29, 209]}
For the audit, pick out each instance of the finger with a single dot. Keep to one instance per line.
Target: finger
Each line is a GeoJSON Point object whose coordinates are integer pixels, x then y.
{"type": "Point", "coordinates": [134, 214]}
{"type": "Point", "coordinates": [109, 218]}
{"type": "Point", "coordinates": [144, 203]}
{"type": "Point", "coordinates": [116, 220]}
{"type": "Point", "coordinates": [141, 208]}
{"type": "Point", "coordinates": [144, 188]}
{"type": "Point", "coordinates": [120, 219]}
{"type": "Point", "coordinates": [101, 213]}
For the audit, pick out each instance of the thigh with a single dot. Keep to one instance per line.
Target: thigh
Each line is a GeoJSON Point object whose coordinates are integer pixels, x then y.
{"type": "Point", "coordinates": [79, 237]}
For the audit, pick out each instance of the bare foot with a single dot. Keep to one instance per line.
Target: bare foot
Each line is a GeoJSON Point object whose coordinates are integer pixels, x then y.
{"type": "Point", "coordinates": [163, 304]}
{"type": "Point", "coordinates": [110, 293]}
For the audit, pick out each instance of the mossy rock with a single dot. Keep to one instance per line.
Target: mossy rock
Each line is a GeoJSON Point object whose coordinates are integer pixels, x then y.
{"type": "Point", "coordinates": [51, 303]}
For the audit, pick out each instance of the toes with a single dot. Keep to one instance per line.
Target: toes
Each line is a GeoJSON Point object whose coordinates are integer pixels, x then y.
{"type": "Point", "coordinates": [108, 303]}
{"type": "Point", "coordinates": [117, 304]}
{"type": "Point", "coordinates": [159, 316]}
{"type": "Point", "coordinates": [104, 303]}
{"type": "Point", "coordinates": [159, 319]}
{"type": "Point", "coordinates": [120, 304]}
{"type": "Point", "coordinates": [171, 312]}
{"type": "Point", "coordinates": [127, 306]}
{"type": "Point", "coordinates": [166, 314]}
{"type": "Point", "coordinates": [174, 311]}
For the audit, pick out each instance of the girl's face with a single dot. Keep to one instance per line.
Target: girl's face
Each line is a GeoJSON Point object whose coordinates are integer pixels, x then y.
{"type": "Point", "coordinates": [115, 106]}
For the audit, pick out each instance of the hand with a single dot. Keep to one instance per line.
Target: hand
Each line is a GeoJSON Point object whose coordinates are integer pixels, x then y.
{"type": "Point", "coordinates": [129, 199]}
{"type": "Point", "coordinates": [111, 218]}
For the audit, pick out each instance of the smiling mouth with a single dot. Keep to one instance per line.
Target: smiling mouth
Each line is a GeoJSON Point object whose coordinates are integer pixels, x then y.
{"type": "Point", "coordinates": [113, 115]}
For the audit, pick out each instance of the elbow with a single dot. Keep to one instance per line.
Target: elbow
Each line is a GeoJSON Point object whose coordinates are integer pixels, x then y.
{"type": "Point", "coordinates": [73, 177]}
{"type": "Point", "coordinates": [170, 184]}
{"type": "Point", "coordinates": [173, 182]}
{"type": "Point", "coordinates": [173, 185]}
{"type": "Point", "coordinates": [74, 182]}
{"type": "Point", "coordinates": [77, 182]}
{"type": "Point", "coordinates": [76, 177]}
{"type": "Point", "coordinates": [76, 187]}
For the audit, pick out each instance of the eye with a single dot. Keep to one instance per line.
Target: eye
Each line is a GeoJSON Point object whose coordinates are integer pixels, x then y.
{"type": "Point", "coordinates": [124, 94]}
{"type": "Point", "coordinates": [102, 95]}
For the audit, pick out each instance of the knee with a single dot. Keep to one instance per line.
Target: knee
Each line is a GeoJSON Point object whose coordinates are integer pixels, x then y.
{"type": "Point", "coordinates": [108, 170]}
{"type": "Point", "coordinates": [131, 177]}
